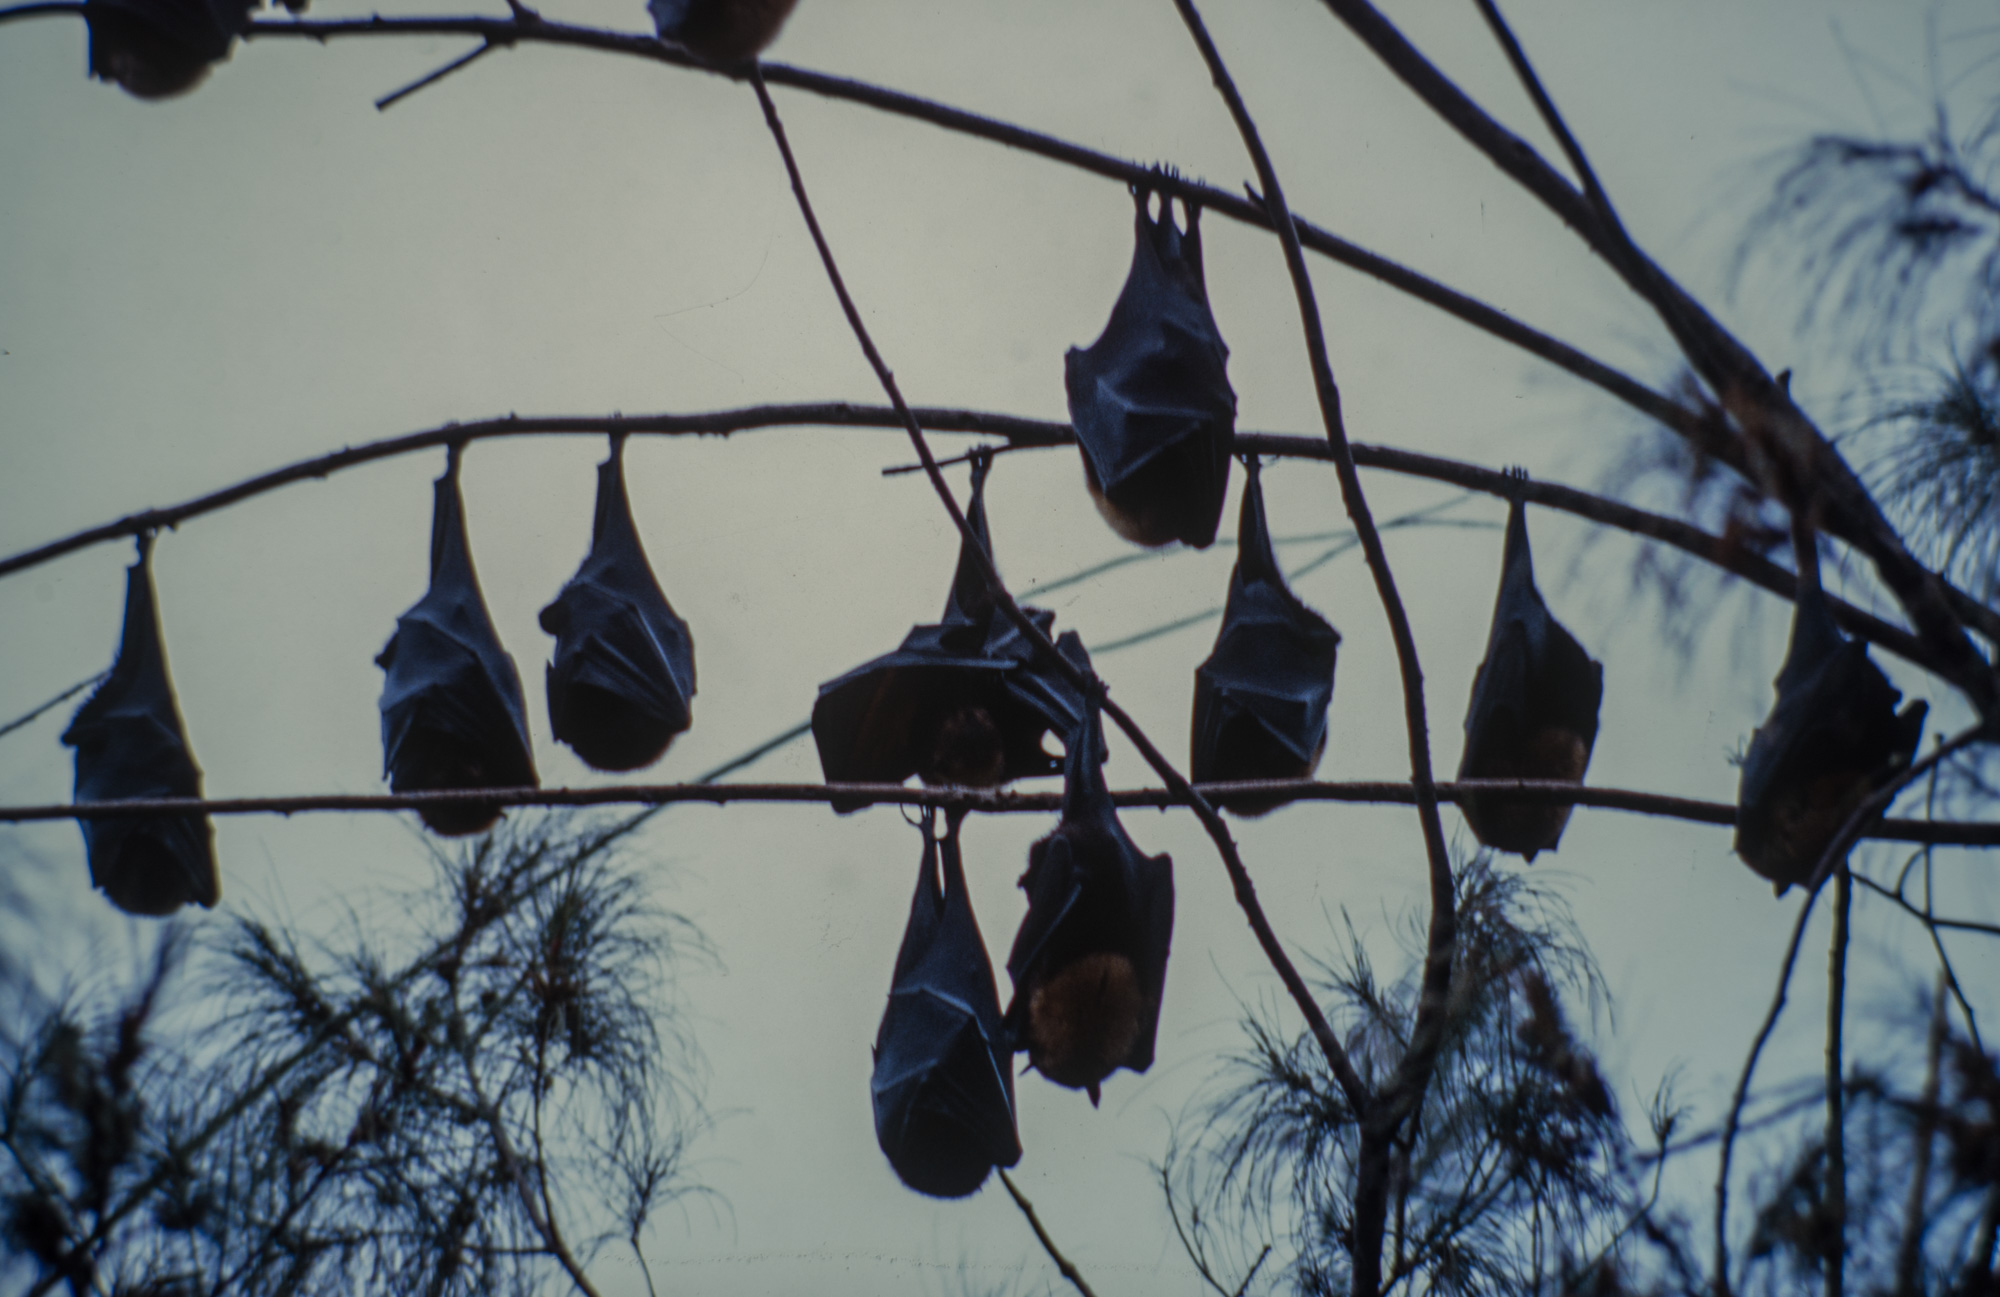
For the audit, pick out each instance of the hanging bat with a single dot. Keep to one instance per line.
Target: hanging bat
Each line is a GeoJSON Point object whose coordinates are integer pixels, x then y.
{"type": "Point", "coordinates": [623, 674]}
{"type": "Point", "coordinates": [961, 702]}
{"type": "Point", "coordinates": [1260, 700]}
{"type": "Point", "coordinates": [1090, 960]}
{"type": "Point", "coordinates": [130, 744]}
{"type": "Point", "coordinates": [1534, 708]}
{"type": "Point", "coordinates": [156, 49]}
{"type": "Point", "coordinates": [944, 1080]}
{"type": "Point", "coordinates": [721, 31]}
{"type": "Point", "coordinates": [452, 715]}
{"type": "Point", "coordinates": [1833, 738]}
{"type": "Point", "coordinates": [1154, 414]}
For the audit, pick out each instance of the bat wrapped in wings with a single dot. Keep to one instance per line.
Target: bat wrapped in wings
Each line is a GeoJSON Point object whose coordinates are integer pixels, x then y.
{"type": "Point", "coordinates": [130, 744]}
{"type": "Point", "coordinates": [944, 1079]}
{"type": "Point", "coordinates": [1089, 962]}
{"type": "Point", "coordinates": [1833, 738]}
{"type": "Point", "coordinates": [964, 701]}
{"type": "Point", "coordinates": [452, 715]}
{"type": "Point", "coordinates": [721, 31]}
{"type": "Point", "coordinates": [158, 48]}
{"type": "Point", "coordinates": [1154, 414]}
{"type": "Point", "coordinates": [1260, 699]}
{"type": "Point", "coordinates": [623, 674]}
{"type": "Point", "coordinates": [1534, 708]}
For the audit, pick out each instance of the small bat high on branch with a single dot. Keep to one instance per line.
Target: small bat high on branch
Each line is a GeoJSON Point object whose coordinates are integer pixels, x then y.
{"type": "Point", "coordinates": [961, 702]}
{"type": "Point", "coordinates": [1833, 737]}
{"type": "Point", "coordinates": [1089, 962]}
{"type": "Point", "coordinates": [1534, 708]}
{"type": "Point", "coordinates": [130, 743]}
{"type": "Point", "coordinates": [943, 1083]}
{"type": "Point", "coordinates": [1154, 413]}
{"type": "Point", "coordinates": [622, 680]}
{"type": "Point", "coordinates": [721, 31]}
{"type": "Point", "coordinates": [155, 49]}
{"type": "Point", "coordinates": [452, 714]}
{"type": "Point", "coordinates": [1260, 700]}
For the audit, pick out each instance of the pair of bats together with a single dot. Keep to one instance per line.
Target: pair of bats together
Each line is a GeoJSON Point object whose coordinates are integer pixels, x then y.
{"type": "Point", "coordinates": [156, 49]}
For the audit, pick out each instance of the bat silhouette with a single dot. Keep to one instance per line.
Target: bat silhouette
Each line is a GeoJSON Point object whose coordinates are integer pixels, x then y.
{"type": "Point", "coordinates": [721, 31]}
{"type": "Point", "coordinates": [1150, 399]}
{"type": "Point", "coordinates": [155, 49]}
{"type": "Point", "coordinates": [1833, 737]}
{"type": "Point", "coordinates": [1260, 699]}
{"type": "Point", "coordinates": [1090, 960]}
{"type": "Point", "coordinates": [130, 744]}
{"type": "Point", "coordinates": [452, 715]}
{"type": "Point", "coordinates": [623, 674]}
{"type": "Point", "coordinates": [1534, 708]}
{"type": "Point", "coordinates": [964, 701]}
{"type": "Point", "coordinates": [944, 1080]}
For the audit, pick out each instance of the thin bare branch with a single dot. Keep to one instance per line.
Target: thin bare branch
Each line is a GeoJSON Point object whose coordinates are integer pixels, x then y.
{"type": "Point", "coordinates": [41, 709]}
{"type": "Point", "coordinates": [1063, 1264]}
{"type": "Point", "coordinates": [1836, 1108]}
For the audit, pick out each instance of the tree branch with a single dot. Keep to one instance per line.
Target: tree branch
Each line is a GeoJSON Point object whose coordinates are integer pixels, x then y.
{"type": "Point", "coordinates": [1068, 1270]}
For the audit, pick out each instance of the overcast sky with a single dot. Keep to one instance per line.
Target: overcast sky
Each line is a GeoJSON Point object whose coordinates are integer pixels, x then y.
{"type": "Point", "coordinates": [194, 291]}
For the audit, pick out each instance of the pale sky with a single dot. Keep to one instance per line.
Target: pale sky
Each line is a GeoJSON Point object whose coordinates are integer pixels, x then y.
{"type": "Point", "coordinates": [268, 268]}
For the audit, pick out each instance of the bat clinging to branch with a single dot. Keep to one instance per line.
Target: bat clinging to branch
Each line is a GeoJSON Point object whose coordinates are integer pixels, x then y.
{"type": "Point", "coordinates": [961, 702]}
{"type": "Point", "coordinates": [452, 715]}
{"type": "Point", "coordinates": [1154, 413]}
{"type": "Point", "coordinates": [1090, 960]}
{"type": "Point", "coordinates": [944, 1076]}
{"type": "Point", "coordinates": [623, 675]}
{"type": "Point", "coordinates": [721, 31]}
{"type": "Point", "coordinates": [1260, 699]}
{"type": "Point", "coordinates": [1833, 737]}
{"type": "Point", "coordinates": [155, 49]}
{"type": "Point", "coordinates": [130, 744]}
{"type": "Point", "coordinates": [1534, 708]}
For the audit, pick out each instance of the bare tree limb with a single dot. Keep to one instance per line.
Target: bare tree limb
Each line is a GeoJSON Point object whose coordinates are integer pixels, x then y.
{"type": "Point", "coordinates": [1063, 1264]}
{"type": "Point", "coordinates": [1836, 1108]}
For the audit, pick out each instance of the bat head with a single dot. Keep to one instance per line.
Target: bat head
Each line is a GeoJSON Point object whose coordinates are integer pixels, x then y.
{"type": "Point", "coordinates": [621, 684]}
{"type": "Point", "coordinates": [943, 1083]}
{"type": "Point", "coordinates": [155, 49]}
{"type": "Point", "coordinates": [1089, 962]}
{"type": "Point", "coordinates": [1534, 707]}
{"type": "Point", "coordinates": [1150, 400]}
{"type": "Point", "coordinates": [1833, 738]}
{"type": "Point", "coordinates": [1261, 698]}
{"type": "Point", "coordinates": [452, 711]}
{"type": "Point", "coordinates": [130, 744]}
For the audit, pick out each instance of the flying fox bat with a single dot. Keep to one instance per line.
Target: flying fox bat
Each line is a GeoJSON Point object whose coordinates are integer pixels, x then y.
{"type": "Point", "coordinates": [1534, 708]}
{"type": "Point", "coordinates": [721, 31]}
{"type": "Point", "coordinates": [452, 715]}
{"type": "Point", "coordinates": [964, 701]}
{"type": "Point", "coordinates": [623, 675]}
{"type": "Point", "coordinates": [1833, 737]}
{"type": "Point", "coordinates": [1154, 413]}
{"type": "Point", "coordinates": [130, 744]}
{"type": "Point", "coordinates": [1260, 700]}
{"type": "Point", "coordinates": [1090, 960]}
{"type": "Point", "coordinates": [155, 49]}
{"type": "Point", "coordinates": [944, 1078]}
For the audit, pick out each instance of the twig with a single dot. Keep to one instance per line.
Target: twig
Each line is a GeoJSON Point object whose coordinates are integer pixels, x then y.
{"type": "Point", "coordinates": [1551, 117]}
{"type": "Point", "coordinates": [1836, 1109]}
{"type": "Point", "coordinates": [1211, 821]}
{"type": "Point", "coordinates": [1910, 1248]}
{"type": "Point", "coordinates": [30, 715]}
{"type": "Point", "coordinates": [510, 1162]}
{"type": "Point", "coordinates": [390, 100]}
{"type": "Point", "coordinates": [1069, 1271]}
{"type": "Point", "coordinates": [1383, 1113]}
